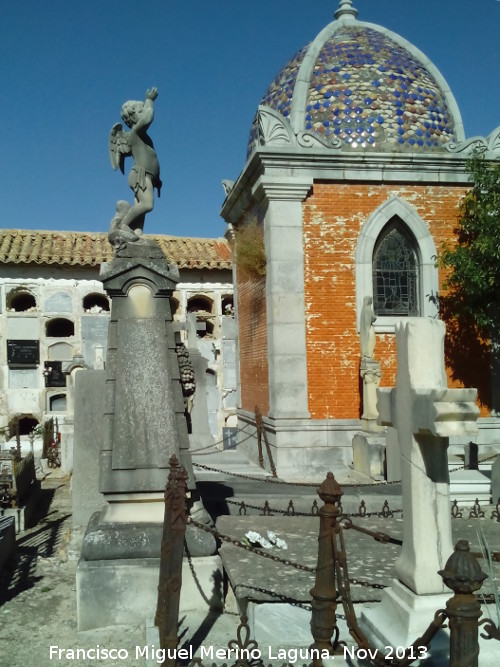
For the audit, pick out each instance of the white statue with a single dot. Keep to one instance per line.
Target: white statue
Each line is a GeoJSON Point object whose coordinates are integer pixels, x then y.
{"type": "Point", "coordinates": [366, 329]}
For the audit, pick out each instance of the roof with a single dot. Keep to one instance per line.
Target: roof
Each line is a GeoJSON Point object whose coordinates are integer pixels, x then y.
{"type": "Point", "coordinates": [18, 246]}
{"type": "Point", "coordinates": [358, 86]}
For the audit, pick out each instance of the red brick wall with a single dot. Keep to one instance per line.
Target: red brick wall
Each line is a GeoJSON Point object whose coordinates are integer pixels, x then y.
{"type": "Point", "coordinates": [253, 343]}
{"type": "Point", "coordinates": [333, 217]}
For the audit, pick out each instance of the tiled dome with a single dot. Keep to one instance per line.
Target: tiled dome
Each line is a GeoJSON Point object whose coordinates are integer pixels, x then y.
{"type": "Point", "coordinates": [367, 87]}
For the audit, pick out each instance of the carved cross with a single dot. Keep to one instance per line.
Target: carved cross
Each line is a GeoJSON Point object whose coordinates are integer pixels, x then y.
{"type": "Point", "coordinates": [425, 414]}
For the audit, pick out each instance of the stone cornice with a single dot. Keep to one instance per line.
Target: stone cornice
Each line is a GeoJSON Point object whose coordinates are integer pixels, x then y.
{"type": "Point", "coordinates": [282, 172]}
{"type": "Point", "coordinates": [285, 188]}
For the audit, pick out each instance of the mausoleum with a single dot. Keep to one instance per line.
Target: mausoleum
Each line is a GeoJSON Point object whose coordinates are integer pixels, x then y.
{"type": "Point", "coordinates": [356, 166]}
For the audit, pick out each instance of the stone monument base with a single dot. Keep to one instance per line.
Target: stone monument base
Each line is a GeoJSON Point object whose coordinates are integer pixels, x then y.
{"type": "Point", "coordinates": [402, 617]}
{"type": "Point", "coordinates": [369, 454]}
{"type": "Point", "coordinates": [118, 573]}
{"type": "Point", "coordinates": [125, 591]}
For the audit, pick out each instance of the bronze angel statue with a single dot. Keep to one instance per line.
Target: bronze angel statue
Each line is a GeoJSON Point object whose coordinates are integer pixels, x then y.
{"type": "Point", "coordinates": [144, 177]}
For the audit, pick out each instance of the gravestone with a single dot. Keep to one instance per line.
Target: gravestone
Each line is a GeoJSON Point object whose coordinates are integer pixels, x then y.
{"type": "Point", "coordinates": [425, 414]}
{"type": "Point", "coordinates": [94, 333]}
{"type": "Point", "coordinates": [200, 435]}
{"type": "Point", "coordinates": [142, 424]}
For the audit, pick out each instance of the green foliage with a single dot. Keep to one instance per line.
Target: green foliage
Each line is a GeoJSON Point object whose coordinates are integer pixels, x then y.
{"type": "Point", "coordinates": [474, 263]}
{"type": "Point", "coordinates": [250, 249]}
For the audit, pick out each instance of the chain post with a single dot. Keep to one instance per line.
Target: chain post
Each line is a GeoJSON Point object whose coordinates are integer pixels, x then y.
{"type": "Point", "coordinates": [259, 424]}
{"type": "Point", "coordinates": [172, 552]}
{"type": "Point", "coordinates": [464, 576]}
{"type": "Point", "coordinates": [324, 592]}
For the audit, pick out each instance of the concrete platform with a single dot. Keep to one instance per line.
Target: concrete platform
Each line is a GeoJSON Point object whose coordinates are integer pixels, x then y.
{"type": "Point", "coordinates": [276, 597]}
{"type": "Point", "coordinates": [467, 485]}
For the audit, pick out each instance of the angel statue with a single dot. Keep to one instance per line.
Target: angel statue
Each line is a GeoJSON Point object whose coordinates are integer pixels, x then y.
{"type": "Point", "coordinates": [144, 177]}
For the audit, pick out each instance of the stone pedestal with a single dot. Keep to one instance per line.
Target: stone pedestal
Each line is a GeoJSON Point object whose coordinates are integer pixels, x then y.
{"type": "Point", "coordinates": [138, 419]}
{"type": "Point", "coordinates": [369, 454]}
{"type": "Point", "coordinates": [126, 592]}
{"type": "Point", "coordinates": [401, 617]}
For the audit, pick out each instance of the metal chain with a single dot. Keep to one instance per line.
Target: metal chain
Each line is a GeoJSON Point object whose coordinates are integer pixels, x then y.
{"type": "Point", "coordinates": [272, 480]}
{"type": "Point", "coordinates": [241, 545]}
{"type": "Point", "coordinates": [220, 442]}
{"type": "Point", "coordinates": [343, 584]}
{"type": "Point", "coordinates": [267, 510]}
{"type": "Point", "coordinates": [273, 557]}
{"type": "Point", "coordinates": [464, 467]}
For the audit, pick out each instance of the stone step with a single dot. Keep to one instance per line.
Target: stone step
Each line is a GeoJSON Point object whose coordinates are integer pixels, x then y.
{"type": "Point", "coordinates": [468, 485]}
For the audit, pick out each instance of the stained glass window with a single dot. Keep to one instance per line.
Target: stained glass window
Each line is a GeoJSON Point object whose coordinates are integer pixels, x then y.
{"type": "Point", "coordinates": [395, 272]}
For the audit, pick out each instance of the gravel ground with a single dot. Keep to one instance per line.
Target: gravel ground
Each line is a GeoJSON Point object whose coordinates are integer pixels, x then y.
{"type": "Point", "coordinates": [38, 595]}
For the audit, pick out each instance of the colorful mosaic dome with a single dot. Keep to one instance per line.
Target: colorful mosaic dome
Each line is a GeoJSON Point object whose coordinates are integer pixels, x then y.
{"type": "Point", "coordinates": [362, 87]}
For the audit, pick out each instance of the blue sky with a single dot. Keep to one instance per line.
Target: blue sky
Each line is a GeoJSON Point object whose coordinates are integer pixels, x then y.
{"type": "Point", "coordinates": [68, 66]}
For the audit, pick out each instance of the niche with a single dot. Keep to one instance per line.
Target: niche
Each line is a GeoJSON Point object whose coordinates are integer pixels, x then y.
{"type": "Point", "coordinates": [60, 327]}
{"type": "Point", "coordinates": [21, 301]}
{"type": "Point", "coordinates": [95, 303]}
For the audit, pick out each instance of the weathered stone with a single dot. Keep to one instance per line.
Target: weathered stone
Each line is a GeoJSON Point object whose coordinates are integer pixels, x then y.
{"type": "Point", "coordinates": [114, 592]}
{"type": "Point", "coordinates": [89, 398]}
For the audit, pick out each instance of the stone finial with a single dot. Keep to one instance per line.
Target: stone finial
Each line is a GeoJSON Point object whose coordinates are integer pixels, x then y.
{"type": "Point", "coordinates": [346, 11]}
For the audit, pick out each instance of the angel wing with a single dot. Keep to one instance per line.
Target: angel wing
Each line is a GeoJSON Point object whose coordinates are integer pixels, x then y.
{"type": "Point", "coordinates": [119, 147]}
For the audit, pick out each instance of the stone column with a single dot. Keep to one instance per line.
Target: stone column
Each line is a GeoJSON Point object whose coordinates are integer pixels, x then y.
{"type": "Point", "coordinates": [286, 334]}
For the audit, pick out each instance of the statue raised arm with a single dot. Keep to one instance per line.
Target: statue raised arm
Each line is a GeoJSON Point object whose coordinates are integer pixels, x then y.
{"type": "Point", "coordinates": [144, 177]}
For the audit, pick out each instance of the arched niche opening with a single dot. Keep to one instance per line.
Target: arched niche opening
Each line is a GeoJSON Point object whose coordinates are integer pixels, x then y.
{"type": "Point", "coordinates": [95, 303]}
{"type": "Point", "coordinates": [21, 301]}
{"type": "Point", "coordinates": [227, 304]}
{"type": "Point", "coordinates": [59, 327]}
{"type": "Point", "coordinates": [200, 304]}
{"type": "Point", "coordinates": [57, 403]}
{"type": "Point", "coordinates": [26, 424]}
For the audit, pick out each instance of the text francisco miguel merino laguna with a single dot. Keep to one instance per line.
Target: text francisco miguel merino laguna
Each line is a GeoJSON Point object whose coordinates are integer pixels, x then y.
{"type": "Point", "coordinates": [160, 655]}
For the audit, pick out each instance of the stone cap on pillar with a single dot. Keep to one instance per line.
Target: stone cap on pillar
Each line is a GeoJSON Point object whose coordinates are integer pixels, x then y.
{"type": "Point", "coordinates": [446, 413]}
{"type": "Point", "coordinates": [118, 275]}
{"type": "Point", "coordinates": [440, 412]}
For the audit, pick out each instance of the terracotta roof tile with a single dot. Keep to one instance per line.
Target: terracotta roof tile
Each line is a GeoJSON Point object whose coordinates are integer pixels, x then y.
{"type": "Point", "coordinates": [18, 246]}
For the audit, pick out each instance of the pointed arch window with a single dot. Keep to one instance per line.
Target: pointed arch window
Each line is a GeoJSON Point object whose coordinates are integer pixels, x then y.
{"type": "Point", "coordinates": [395, 269]}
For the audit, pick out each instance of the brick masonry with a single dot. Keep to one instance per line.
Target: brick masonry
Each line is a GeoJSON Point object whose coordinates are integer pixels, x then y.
{"type": "Point", "coordinates": [333, 216]}
{"type": "Point", "coordinates": [253, 343]}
